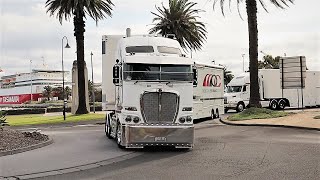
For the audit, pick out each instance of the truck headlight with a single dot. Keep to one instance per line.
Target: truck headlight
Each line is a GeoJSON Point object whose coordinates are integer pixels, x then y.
{"type": "Point", "coordinates": [136, 119]}
{"type": "Point", "coordinates": [187, 109]}
{"type": "Point", "coordinates": [128, 118]}
{"type": "Point", "coordinates": [182, 119]}
{"type": "Point", "coordinates": [189, 118]}
{"type": "Point", "coordinates": [130, 108]}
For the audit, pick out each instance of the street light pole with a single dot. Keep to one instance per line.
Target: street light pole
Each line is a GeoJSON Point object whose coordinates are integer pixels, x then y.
{"type": "Point", "coordinates": [31, 81]}
{"type": "Point", "coordinates": [93, 95]}
{"type": "Point", "coordinates": [63, 93]}
{"type": "Point", "coordinates": [243, 61]}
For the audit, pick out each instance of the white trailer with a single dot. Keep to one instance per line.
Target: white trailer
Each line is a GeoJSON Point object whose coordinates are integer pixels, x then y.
{"type": "Point", "coordinates": [147, 90]}
{"type": "Point", "coordinates": [208, 91]}
{"type": "Point", "coordinates": [271, 94]}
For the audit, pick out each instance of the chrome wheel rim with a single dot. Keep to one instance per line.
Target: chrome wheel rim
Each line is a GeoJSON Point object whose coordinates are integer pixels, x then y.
{"type": "Point", "coordinates": [240, 107]}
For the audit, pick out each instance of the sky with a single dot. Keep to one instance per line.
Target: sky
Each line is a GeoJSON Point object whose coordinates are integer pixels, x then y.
{"type": "Point", "coordinates": [27, 33]}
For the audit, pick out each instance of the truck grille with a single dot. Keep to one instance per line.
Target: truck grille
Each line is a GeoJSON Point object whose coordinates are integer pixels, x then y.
{"type": "Point", "coordinates": [159, 107]}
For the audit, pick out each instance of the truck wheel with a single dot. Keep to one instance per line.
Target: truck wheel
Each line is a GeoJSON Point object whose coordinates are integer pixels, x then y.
{"type": "Point", "coordinates": [118, 136]}
{"type": "Point", "coordinates": [240, 107]}
{"type": "Point", "coordinates": [273, 104]}
{"type": "Point", "coordinates": [281, 104]}
{"type": "Point", "coordinates": [107, 128]}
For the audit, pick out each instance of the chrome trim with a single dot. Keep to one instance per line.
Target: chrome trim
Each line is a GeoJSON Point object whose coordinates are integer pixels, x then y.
{"type": "Point", "coordinates": [159, 96]}
{"type": "Point", "coordinates": [138, 136]}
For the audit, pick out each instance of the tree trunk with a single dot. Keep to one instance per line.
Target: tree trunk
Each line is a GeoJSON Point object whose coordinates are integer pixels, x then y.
{"type": "Point", "coordinates": [79, 30]}
{"type": "Point", "coordinates": [253, 53]}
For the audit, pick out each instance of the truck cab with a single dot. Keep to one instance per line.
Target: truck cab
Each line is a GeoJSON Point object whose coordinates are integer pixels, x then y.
{"type": "Point", "coordinates": [148, 93]}
{"type": "Point", "coordinates": [237, 93]}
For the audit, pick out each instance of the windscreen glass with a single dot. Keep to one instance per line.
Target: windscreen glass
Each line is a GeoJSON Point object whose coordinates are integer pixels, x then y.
{"type": "Point", "coordinates": [233, 89]}
{"type": "Point", "coordinates": [151, 72]}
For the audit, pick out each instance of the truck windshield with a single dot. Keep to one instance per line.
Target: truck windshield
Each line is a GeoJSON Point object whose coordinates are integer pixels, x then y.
{"type": "Point", "coordinates": [232, 89]}
{"type": "Point", "coordinates": [157, 72]}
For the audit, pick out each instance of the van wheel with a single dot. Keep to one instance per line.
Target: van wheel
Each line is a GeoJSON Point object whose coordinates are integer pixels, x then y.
{"type": "Point", "coordinates": [240, 107]}
{"type": "Point", "coordinates": [281, 104]}
{"type": "Point", "coordinates": [273, 104]}
{"type": "Point", "coordinates": [213, 115]}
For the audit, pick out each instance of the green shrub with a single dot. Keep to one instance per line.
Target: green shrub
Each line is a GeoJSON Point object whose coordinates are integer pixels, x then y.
{"type": "Point", "coordinates": [3, 120]}
{"type": "Point", "coordinates": [257, 113]}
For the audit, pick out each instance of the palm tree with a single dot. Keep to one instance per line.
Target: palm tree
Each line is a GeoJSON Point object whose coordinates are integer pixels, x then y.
{"type": "Point", "coordinates": [251, 6]}
{"type": "Point", "coordinates": [269, 62]}
{"type": "Point", "coordinates": [47, 92]}
{"type": "Point", "coordinates": [79, 10]}
{"type": "Point", "coordinates": [228, 76]}
{"type": "Point", "coordinates": [180, 19]}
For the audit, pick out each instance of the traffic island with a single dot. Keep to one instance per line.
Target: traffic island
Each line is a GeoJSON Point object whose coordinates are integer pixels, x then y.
{"type": "Point", "coordinates": [13, 141]}
{"type": "Point", "coordinates": [304, 119]}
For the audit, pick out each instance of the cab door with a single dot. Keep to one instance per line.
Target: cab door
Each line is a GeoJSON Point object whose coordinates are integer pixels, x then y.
{"type": "Point", "coordinates": [245, 93]}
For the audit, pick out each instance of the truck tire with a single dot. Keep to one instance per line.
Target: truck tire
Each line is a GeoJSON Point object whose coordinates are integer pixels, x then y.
{"type": "Point", "coordinates": [107, 128]}
{"type": "Point", "coordinates": [240, 107]}
{"type": "Point", "coordinates": [273, 104]}
{"type": "Point", "coordinates": [281, 104]}
{"type": "Point", "coordinates": [118, 136]}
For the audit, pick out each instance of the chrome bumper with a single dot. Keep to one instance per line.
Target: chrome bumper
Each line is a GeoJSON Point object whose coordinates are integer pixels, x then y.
{"type": "Point", "coordinates": [138, 136]}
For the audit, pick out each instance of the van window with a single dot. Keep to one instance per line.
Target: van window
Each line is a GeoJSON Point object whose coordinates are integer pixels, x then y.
{"type": "Point", "coordinates": [139, 49]}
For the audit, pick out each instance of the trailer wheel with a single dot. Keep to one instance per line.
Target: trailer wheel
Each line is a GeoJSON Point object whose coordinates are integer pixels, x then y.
{"type": "Point", "coordinates": [240, 107]}
{"type": "Point", "coordinates": [273, 104]}
{"type": "Point", "coordinates": [281, 104]}
{"type": "Point", "coordinates": [213, 115]}
{"type": "Point", "coordinates": [118, 136]}
{"type": "Point", "coordinates": [217, 113]}
{"type": "Point", "coordinates": [107, 128]}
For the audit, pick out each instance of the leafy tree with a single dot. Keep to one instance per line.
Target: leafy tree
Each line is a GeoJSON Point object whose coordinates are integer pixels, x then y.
{"type": "Point", "coordinates": [228, 76]}
{"type": "Point", "coordinates": [269, 62]}
{"type": "Point", "coordinates": [79, 10]}
{"type": "Point", "coordinates": [180, 19]}
{"type": "Point", "coordinates": [3, 120]}
{"type": "Point", "coordinates": [47, 92]}
{"type": "Point", "coordinates": [251, 6]}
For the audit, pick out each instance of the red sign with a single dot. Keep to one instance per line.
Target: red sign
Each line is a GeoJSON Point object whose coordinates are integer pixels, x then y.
{"type": "Point", "coordinates": [212, 80]}
{"type": "Point", "coordinates": [18, 99]}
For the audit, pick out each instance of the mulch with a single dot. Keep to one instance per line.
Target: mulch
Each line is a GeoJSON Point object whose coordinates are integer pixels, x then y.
{"type": "Point", "coordinates": [11, 139]}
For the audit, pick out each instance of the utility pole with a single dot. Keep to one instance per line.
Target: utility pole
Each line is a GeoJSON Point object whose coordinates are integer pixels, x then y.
{"type": "Point", "coordinates": [93, 95]}
{"type": "Point", "coordinates": [243, 61]}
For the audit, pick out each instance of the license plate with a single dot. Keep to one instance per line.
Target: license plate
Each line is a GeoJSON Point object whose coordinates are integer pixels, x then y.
{"type": "Point", "coordinates": [162, 139]}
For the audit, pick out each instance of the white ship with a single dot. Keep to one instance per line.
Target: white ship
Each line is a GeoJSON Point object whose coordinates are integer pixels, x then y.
{"type": "Point", "coordinates": [21, 87]}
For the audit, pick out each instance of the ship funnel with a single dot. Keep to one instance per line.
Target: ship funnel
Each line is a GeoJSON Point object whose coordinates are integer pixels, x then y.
{"type": "Point", "coordinates": [128, 32]}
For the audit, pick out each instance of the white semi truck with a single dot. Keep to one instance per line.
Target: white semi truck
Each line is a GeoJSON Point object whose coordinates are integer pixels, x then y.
{"type": "Point", "coordinates": [147, 90]}
{"type": "Point", "coordinates": [237, 92]}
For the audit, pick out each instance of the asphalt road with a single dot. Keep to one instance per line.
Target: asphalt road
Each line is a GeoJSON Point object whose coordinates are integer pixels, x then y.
{"type": "Point", "coordinates": [72, 146]}
{"type": "Point", "coordinates": [221, 152]}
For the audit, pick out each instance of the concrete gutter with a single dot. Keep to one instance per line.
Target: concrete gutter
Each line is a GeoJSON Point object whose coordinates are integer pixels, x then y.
{"type": "Point", "coordinates": [267, 125]}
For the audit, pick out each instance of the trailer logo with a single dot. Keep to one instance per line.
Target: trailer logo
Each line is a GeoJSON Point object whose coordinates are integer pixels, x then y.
{"type": "Point", "coordinates": [212, 80]}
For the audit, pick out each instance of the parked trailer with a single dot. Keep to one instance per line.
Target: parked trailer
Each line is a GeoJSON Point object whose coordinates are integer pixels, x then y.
{"type": "Point", "coordinates": [208, 91]}
{"type": "Point", "coordinates": [271, 94]}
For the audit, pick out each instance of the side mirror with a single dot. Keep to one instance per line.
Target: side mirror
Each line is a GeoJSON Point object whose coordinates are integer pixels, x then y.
{"type": "Point", "coordinates": [195, 77]}
{"type": "Point", "coordinates": [116, 75]}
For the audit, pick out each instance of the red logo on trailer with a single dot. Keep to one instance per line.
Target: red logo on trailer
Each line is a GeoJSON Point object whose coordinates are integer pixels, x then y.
{"type": "Point", "coordinates": [212, 80]}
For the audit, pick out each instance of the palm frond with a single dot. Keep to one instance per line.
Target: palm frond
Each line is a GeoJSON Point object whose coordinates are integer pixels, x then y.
{"type": "Point", "coordinates": [180, 18]}
{"type": "Point", "coordinates": [65, 9]}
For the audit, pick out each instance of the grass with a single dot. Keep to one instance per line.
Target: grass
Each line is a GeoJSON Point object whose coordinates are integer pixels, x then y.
{"type": "Point", "coordinates": [317, 117]}
{"type": "Point", "coordinates": [257, 113]}
{"type": "Point", "coordinates": [20, 120]}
